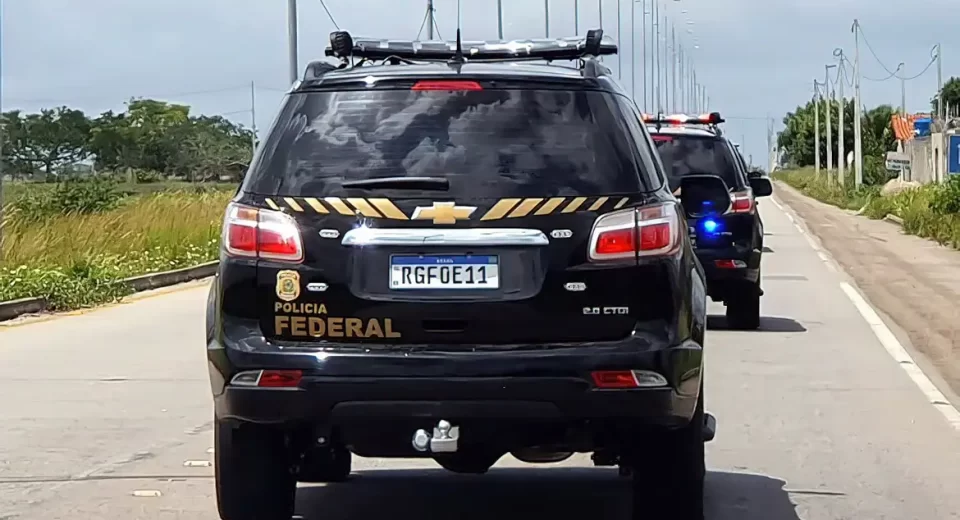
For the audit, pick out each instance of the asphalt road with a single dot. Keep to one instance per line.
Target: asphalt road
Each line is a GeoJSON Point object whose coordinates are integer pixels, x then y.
{"type": "Point", "coordinates": [107, 415]}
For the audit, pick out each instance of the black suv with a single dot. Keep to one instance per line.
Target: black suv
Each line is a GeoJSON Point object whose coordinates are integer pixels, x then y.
{"type": "Point", "coordinates": [730, 246]}
{"type": "Point", "coordinates": [458, 258]}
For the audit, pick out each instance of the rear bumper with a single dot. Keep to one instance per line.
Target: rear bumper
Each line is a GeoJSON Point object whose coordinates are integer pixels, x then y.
{"type": "Point", "coordinates": [545, 384]}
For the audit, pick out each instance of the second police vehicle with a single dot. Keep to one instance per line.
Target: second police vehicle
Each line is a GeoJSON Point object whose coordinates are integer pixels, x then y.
{"type": "Point", "coordinates": [458, 250]}
{"type": "Point", "coordinates": [730, 246]}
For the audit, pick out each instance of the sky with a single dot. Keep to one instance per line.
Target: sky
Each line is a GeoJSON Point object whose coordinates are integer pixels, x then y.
{"type": "Point", "coordinates": [756, 58]}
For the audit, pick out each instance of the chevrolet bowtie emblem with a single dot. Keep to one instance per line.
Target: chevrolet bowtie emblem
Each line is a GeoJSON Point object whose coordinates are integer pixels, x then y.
{"type": "Point", "coordinates": [443, 212]}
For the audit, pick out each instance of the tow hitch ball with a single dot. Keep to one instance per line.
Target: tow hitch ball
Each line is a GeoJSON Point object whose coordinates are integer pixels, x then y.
{"type": "Point", "coordinates": [443, 440]}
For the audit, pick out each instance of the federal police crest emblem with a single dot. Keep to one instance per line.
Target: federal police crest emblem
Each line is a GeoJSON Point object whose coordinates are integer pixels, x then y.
{"type": "Point", "coordinates": [288, 285]}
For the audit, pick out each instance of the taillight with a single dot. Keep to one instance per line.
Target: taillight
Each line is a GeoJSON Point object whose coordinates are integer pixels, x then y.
{"type": "Point", "coordinates": [643, 232]}
{"type": "Point", "coordinates": [447, 85]}
{"type": "Point", "coordinates": [741, 202]}
{"type": "Point", "coordinates": [261, 233]}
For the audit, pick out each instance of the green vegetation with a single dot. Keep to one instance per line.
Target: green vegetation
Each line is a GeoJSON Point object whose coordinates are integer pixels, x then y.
{"type": "Point", "coordinates": [931, 211]}
{"type": "Point", "coordinates": [90, 201]}
{"type": "Point", "coordinates": [73, 243]}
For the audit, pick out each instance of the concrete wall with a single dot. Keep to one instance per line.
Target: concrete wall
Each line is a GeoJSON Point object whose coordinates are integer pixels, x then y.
{"type": "Point", "coordinates": [927, 159]}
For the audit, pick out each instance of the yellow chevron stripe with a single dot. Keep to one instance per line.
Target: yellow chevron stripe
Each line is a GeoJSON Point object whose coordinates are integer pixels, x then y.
{"type": "Point", "coordinates": [500, 209]}
{"type": "Point", "coordinates": [389, 209]}
{"type": "Point", "coordinates": [600, 202]}
{"type": "Point", "coordinates": [272, 204]}
{"type": "Point", "coordinates": [316, 205]}
{"type": "Point", "coordinates": [364, 207]}
{"type": "Point", "coordinates": [574, 205]}
{"type": "Point", "coordinates": [550, 205]}
{"type": "Point", "coordinates": [621, 203]}
{"type": "Point", "coordinates": [293, 204]}
{"type": "Point", "coordinates": [339, 205]}
{"type": "Point", "coordinates": [525, 208]}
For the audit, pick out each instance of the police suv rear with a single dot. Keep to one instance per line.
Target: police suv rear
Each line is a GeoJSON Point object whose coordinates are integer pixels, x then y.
{"type": "Point", "coordinates": [730, 246]}
{"type": "Point", "coordinates": [446, 251]}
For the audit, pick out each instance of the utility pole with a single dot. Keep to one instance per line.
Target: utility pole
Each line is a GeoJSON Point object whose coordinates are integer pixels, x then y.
{"type": "Point", "coordinates": [656, 61]}
{"type": "Point", "coordinates": [633, 58]}
{"type": "Point", "coordinates": [546, 18]}
{"type": "Point", "coordinates": [600, 10]}
{"type": "Point", "coordinates": [681, 89]}
{"type": "Point", "coordinates": [841, 175]}
{"type": "Point", "coordinates": [829, 101]}
{"type": "Point", "coordinates": [430, 20]}
{"type": "Point", "coordinates": [500, 20]}
{"type": "Point", "coordinates": [620, 42]}
{"type": "Point", "coordinates": [643, 54]}
{"type": "Point", "coordinates": [253, 118]}
{"type": "Point", "coordinates": [857, 115]}
{"type": "Point", "coordinates": [903, 91]}
{"type": "Point", "coordinates": [940, 111]}
{"type": "Point", "coordinates": [292, 40]}
{"type": "Point", "coordinates": [816, 129]}
{"type": "Point", "coordinates": [576, 17]}
{"type": "Point", "coordinates": [675, 64]}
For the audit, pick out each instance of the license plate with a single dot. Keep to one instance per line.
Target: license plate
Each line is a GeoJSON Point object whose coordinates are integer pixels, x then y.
{"type": "Point", "coordinates": [445, 272]}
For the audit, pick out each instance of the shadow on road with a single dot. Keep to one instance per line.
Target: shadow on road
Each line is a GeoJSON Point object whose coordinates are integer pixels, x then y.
{"type": "Point", "coordinates": [767, 324]}
{"type": "Point", "coordinates": [510, 493]}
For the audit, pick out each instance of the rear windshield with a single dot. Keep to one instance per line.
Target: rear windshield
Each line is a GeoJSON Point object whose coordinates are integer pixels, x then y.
{"type": "Point", "coordinates": [489, 143]}
{"type": "Point", "coordinates": [692, 154]}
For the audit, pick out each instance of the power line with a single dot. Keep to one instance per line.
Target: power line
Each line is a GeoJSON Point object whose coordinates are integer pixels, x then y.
{"type": "Point", "coordinates": [330, 16]}
{"type": "Point", "coordinates": [922, 72]}
{"type": "Point", "coordinates": [860, 28]}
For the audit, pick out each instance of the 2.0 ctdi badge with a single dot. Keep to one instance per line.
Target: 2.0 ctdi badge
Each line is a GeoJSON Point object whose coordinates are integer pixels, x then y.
{"type": "Point", "coordinates": [288, 285]}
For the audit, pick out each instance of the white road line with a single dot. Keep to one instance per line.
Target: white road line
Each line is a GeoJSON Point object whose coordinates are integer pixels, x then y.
{"type": "Point", "coordinates": [900, 354]}
{"type": "Point", "coordinates": [777, 204]}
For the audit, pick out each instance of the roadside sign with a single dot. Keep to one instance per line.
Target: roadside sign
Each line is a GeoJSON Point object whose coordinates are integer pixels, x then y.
{"type": "Point", "coordinates": [897, 161]}
{"type": "Point", "coordinates": [953, 155]}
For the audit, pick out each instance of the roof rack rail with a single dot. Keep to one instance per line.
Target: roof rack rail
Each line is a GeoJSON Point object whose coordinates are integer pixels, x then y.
{"type": "Point", "coordinates": [594, 44]}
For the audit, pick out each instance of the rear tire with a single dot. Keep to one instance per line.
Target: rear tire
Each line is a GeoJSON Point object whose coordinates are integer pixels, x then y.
{"type": "Point", "coordinates": [668, 473]}
{"type": "Point", "coordinates": [743, 309]}
{"type": "Point", "coordinates": [254, 480]}
{"type": "Point", "coordinates": [325, 464]}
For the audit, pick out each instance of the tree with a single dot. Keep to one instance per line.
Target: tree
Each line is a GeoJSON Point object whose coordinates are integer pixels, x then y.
{"type": "Point", "coordinates": [951, 95]}
{"type": "Point", "coordinates": [48, 140]}
{"type": "Point", "coordinates": [797, 139]}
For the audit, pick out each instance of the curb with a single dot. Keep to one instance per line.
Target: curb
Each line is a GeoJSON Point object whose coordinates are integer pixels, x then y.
{"type": "Point", "coordinates": [893, 218]}
{"type": "Point", "coordinates": [13, 309]}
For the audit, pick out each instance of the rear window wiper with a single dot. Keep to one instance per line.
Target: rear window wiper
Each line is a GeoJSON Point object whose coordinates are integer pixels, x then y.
{"type": "Point", "coordinates": [401, 183]}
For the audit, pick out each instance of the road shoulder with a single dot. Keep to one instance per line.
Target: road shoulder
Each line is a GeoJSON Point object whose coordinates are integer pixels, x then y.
{"type": "Point", "coordinates": [913, 281]}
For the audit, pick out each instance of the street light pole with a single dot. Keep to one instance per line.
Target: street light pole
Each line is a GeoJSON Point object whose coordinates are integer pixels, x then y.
{"type": "Point", "coordinates": [576, 17]}
{"type": "Point", "coordinates": [546, 18]}
{"type": "Point", "coordinates": [620, 41]}
{"type": "Point", "coordinates": [816, 129]}
{"type": "Point", "coordinates": [292, 40]}
{"type": "Point", "coordinates": [829, 99]}
{"type": "Point", "coordinates": [500, 19]}
{"type": "Point", "coordinates": [857, 115]}
{"type": "Point", "coordinates": [430, 21]}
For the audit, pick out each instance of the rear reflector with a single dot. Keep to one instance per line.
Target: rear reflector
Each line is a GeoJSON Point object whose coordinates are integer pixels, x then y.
{"type": "Point", "coordinates": [730, 264]}
{"type": "Point", "coordinates": [621, 379]}
{"type": "Point", "coordinates": [268, 378]}
{"type": "Point", "coordinates": [446, 85]}
{"type": "Point", "coordinates": [280, 378]}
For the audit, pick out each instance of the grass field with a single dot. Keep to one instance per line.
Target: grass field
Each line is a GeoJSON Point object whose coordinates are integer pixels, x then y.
{"type": "Point", "coordinates": [75, 260]}
{"type": "Point", "coordinates": [931, 211]}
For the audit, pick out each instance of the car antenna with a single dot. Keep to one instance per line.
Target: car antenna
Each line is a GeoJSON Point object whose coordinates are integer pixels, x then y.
{"type": "Point", "coordinates": [458, 56]}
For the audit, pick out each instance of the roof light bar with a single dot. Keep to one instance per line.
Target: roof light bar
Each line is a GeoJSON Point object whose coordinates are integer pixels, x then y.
{"type": "Point", "coordinates": [712, 118]}
{"type": "Point", "coordinates": [593, 44]}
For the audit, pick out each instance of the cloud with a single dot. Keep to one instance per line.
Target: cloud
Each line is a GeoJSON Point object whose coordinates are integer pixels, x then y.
{"type": "Point", "coordinates": [756, 57]}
